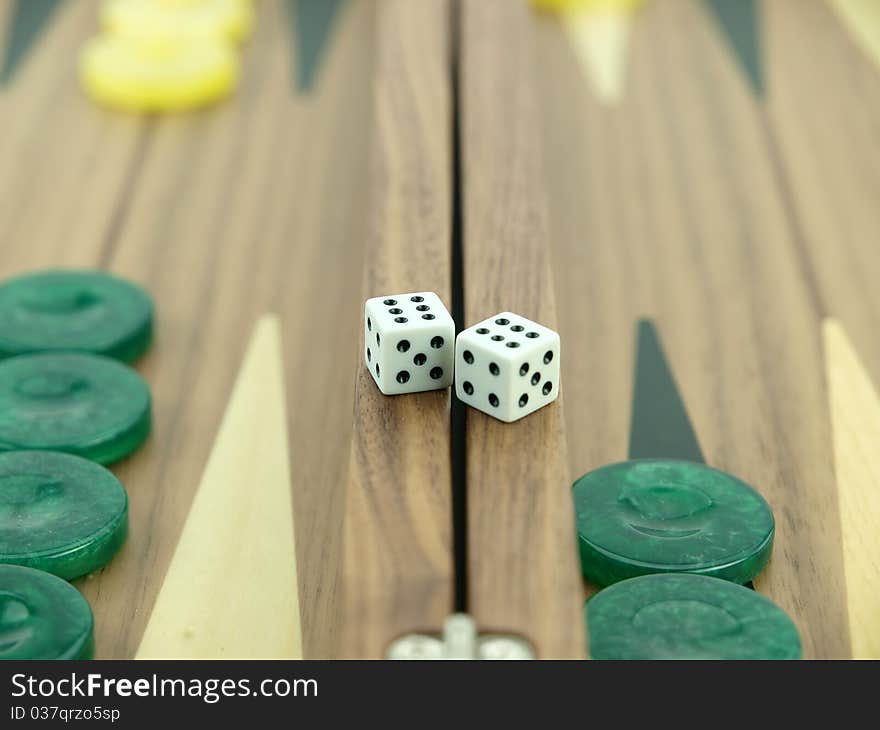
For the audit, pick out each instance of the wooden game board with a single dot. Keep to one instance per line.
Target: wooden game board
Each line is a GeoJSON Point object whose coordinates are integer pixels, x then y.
{"type": "Point", "coordinates": [720, 183]}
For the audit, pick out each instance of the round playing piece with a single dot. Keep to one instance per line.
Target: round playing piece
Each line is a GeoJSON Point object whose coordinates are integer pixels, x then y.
{"type": "Point", "coordinates": [42, 617]}
{"type": "Point", "coordinates": [682, 616]}
{"type": "Point", "coordinates": [87, 311]}
{"type": "Point", "coordinates": [224, 19]}
{"type": "Point", "coordinates": [665, 516]}
{"type": "Point", "coordinates": [82, 404]}
{"type": "Point", "coordinates": [564, 6]}
{"type": "Point", "coordinates": [59, 513]}
{"type": "Point", "coordinates": [158, 75]}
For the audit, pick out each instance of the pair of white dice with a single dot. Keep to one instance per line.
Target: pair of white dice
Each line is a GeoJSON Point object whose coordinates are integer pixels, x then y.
{"type": "Point", "coordinates": [506, 366]}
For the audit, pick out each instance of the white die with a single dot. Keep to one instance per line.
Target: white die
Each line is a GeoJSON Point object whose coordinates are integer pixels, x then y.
{"type": "Point", "coordinates": [409, 342]}
{"type": "Point", "coordinates": [507, 366]}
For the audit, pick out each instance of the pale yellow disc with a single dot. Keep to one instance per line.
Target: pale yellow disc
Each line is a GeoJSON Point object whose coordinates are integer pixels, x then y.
{"type": "Point", "coordinates": [154, 76]}
{"type": "Point", "coordinates": [230, 19]}
{"type": "Point", "coordinates": [585, 5]}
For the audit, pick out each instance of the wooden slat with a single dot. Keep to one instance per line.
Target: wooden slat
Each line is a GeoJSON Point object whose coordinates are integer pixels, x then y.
{"type": "Point", "coordinates": [65, 164]}
{"type": "Point", "coordinates": [671, 206]}
{"type": "Point", "coordinates": [397, 573]}
{"type": "Point", "coordinates": [826, 98]}
{"type": "Point", "coordinates": [522, 555]}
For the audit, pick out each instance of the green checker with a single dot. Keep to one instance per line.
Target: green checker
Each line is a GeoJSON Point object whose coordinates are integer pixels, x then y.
{"type": "Point", "coordinates": [42, 617]}
{"type": "Point", "coordinates": [82, 311]}
{"type": "Point", "coordinates": [683, 616]}
{"type": "Point", "coordinates": [82, 404]}
{"type": "Point", "coordinates": [59, 513]}
{"type": "Point", "coordinates": [665, 516]}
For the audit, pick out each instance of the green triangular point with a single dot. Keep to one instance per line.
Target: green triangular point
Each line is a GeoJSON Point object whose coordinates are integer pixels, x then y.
{"type": "Point", "coordinates": [659, 426]}
{"type": "Point", "coordinates": [740, 21]}
{"type": "Point", "coordinates": [29, 17]}
{"type": "Point", "coordinates": [311, 22]}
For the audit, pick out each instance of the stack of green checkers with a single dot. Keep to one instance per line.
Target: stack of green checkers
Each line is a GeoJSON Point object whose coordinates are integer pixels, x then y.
{"type": "Point", "coordinates": [67, 406]}
{"type": "Point", "coordinates": [675, 541]}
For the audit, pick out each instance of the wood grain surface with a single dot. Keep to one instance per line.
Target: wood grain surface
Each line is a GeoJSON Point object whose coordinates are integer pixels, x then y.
{"type": "Point", "coordinates": [673, 206]}
{"type": "Point", "coordinates": [855, 418]}
{"type": "Point", "coordinates": [821, 121]}
{"type": "Point", "coordinates": [240, 526]}
{"type": "Point", "coordinates": [522, 556]}
{"type": "Point", "coordinates": [397, 572]}
{"type": "Point", "coordinates": [256, 205]}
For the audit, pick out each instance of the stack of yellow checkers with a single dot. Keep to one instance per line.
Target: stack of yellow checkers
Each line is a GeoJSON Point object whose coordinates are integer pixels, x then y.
{"type": "Point", "coordinates": [165, 55]}
{"type": "Point", "coordinates": [578, 5]}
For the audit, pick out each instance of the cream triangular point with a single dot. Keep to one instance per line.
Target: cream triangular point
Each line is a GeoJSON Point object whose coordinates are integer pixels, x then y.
{"type": "Point", "coordinates": [855, 420]}
{"type": "Point", "coordinates": [231, 589]}
{"type": "Point", "coordinates": [600, 38]}
{"type": "Point", "coordinates": [862, 19]}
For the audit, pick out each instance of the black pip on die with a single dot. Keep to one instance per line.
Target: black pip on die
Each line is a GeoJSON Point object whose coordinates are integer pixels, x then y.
{"type": "Point", "coordinates": [507, 366]}
{"type": "Point", "coordinates": [409, 342]}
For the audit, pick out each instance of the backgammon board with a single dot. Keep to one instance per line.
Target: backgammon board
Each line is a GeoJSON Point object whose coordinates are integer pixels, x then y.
{"type": "Point", "coordinates": [685, 190]}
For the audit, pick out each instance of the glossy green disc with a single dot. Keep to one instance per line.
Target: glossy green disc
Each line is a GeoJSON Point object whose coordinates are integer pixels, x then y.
{"type": "Point", "coordinates": [59, 513]}
{"type": "Point", "coordinates": [683, 616]}
{"type": "Point", "coordinates": [82, 404]}
{"type": "Point", "coordinates": [665, 516]}
{"type": "Point", "coordinates": [42, 617]}
{"type": "Point", "coordinates": [83, 311]}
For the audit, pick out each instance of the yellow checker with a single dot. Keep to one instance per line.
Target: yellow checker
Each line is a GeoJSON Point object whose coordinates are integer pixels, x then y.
{"type": "Point", "coordinates": [156, 76]}
{"type": "Point", "coordinates": [585, 5]}
{"type": "Point", "coordinates": [230, 19]}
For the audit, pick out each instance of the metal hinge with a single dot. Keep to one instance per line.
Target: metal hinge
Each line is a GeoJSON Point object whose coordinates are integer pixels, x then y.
{"type": "Point", "coordinates": [460, 641]}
